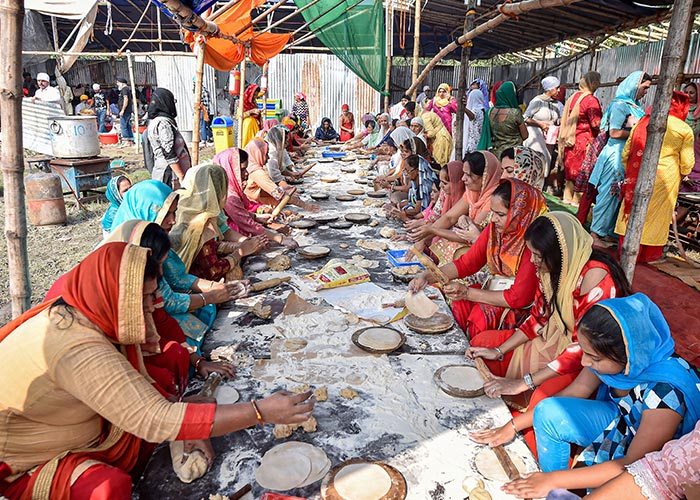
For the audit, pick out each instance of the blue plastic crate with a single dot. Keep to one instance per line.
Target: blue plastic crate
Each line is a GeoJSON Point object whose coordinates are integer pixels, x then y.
{"type": "Point", "coordinates": [396, 257]}
{"type": "Point", "coordinates": [333, 154]}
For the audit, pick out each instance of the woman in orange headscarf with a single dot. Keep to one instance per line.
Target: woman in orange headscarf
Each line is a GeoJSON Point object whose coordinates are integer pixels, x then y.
{"type": "Point", "coordinates": [76, 394]}
{"type": "Point", "coordinates": [676, 161]}
{"type": "Point", "coordinates": [252, 120]}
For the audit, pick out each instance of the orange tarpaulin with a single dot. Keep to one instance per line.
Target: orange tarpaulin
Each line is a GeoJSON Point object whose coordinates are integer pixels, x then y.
{"type": "Point", "coordinates": [224, 54]}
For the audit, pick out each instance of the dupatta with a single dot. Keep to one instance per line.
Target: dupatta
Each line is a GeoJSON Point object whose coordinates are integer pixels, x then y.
{"type": "Point", "coordinates": [529, 166]}
{"type": "Point", "coordinates": [588, 84]}
{"type": "Point", "coordinates": [114, 198]}
{"type": "Point", "coordinates": [146, 200]}
{"type": "Point", "coordinates": [480, 202]}
{"type": "Point", "coordinates": [457, 187]}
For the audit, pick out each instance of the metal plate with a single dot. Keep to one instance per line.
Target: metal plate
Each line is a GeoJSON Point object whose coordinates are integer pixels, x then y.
{"type": "Point", "coordinates": [357, 218]}
{"type": "Point", "coordinates": [397, 491]}
{"type": "Point", "coordinates": [377, 194]}
{"type": "Point", "coordinates": [345, 197]}
{"type": "Point", "coordinates": [437, 323]}
{"type": "Point", "coordinates": [302, 224]}
{"type": "Point", "coordinates": [358, 333]}
{"type": "Point", "coordinates": [314, 251]}
{"type": "Point", "coordinates": [325, 219]}
{"type": "Point", "coordinates": [329, 179]}
{"type": "Point", "coordinates": [348, 170]}
{"type": "Point", "coordinates": [456, 391]}
{"type": "Point", "coordinates": [319, 196]}
{"type": "Point", "coordinates": [356, 192]}
{"type": "Point", "coordinates": [361, 180]}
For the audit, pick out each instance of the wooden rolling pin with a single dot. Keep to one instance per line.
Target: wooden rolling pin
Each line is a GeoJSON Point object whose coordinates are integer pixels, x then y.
{"type": "Point", "coordinates": [265, 284]}
{"type": "Point", "coordinates": [283, 203]}
{"type": "Point", "coordinates": [430, 266]}
{"type": "Point", "coordinates": [303, 172]}
{"type": "Point", "coordinates": [210, 385]}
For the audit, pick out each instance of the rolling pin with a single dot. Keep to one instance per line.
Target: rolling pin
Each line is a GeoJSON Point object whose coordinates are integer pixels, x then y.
{"type": "Point", "coordinates": [265, 284]}
{"type": "Point", "coordinates": [283, 203]}
{"type": "Point", "coordinates": [303, 172]}
{"type": "Point", "coordinates": [430, 266]}
{"type": "Point", "coordinates": [210, 385]}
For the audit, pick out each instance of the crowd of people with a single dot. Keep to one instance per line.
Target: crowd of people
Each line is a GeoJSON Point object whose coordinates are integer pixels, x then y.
{"type": "Point", "coordinates": [586, 364]}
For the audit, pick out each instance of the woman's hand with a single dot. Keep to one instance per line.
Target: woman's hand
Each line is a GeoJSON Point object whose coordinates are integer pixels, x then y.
{"type": "Point", "coordinates": [470, 235]}
{"type": "Point", "coordinates": [223, 292]}
{"type": "Point", "coordinates": [500, 386]}
{"type": "Point", "coordinates": [285, 407]}
{"type": "Point", "coordinates": [482, 352]}
{"type": "Point", "coordinates": [494, 437]}
{"type": "Point", "coordinates": [533, 485]}
{"type": "Point", "coordinates": [312, 207]}
{"type": "Point", "coordinates": [223, 368]}
{"type": "Point", "coordinates": [237, 289]}
{"type": "Point", "coordinates": [289, 242]}
{"type": "Point", "coordinates": [253, 245]}
{"type": "Point", "coordinates": [418, 283]}
{"type": "Point", "coordinates": [421, 233]}
{"type": "Point", "coordinates": [456, 291]}
{"type": "Point", "coordinates": [412, 225]}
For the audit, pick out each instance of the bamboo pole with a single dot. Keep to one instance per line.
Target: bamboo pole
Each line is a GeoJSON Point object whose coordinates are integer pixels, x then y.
{"type": "Point", "coordinates": [130, 64]}
{"type": "Point", "coordinates": [416, 45]}
{"type": "Point", "coordinates": [261, 16]}
{"type": "Point", "coordinates": [185, 16]}
{"type": "Point", "coordinates": [222, 10]}
{"type": "Point", "coordinates": [160, 30]}
{"type": "Point", "coordinates": [312, 34]}
{"type": "Point", "coordinates": [286, 18]}
{"type": "Point", "coordinates": [239, 113]}
{"type": "Point", "coordinates": [389, 21]}
{"type": "Point", "coordinates": [462, 82]}
{"type": "Point", "coordinates": [105, 54]}
{"type": "Point", "coordinates": [671, 61]}
{"type": "Point", "coordinates": [196, 132]}
{"type": "Point", "coordinates": [506, 10]}
{"type": "Point", "coordinates": [11, 157]}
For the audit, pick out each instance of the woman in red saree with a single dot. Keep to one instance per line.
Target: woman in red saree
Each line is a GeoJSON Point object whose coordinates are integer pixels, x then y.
{"type": "Point", "coordinates": [501, 247]}
{"type": "Point", "coordinates": [61, 437]}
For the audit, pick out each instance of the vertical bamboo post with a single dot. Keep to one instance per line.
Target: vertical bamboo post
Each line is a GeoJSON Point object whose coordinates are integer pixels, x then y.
{"type": "Point", "coordinates": [11, 158]}
{"type": "Point", "coordinates": [416, 46]}
{"type": "Point", "coordinates": [266, 67]}
{"type": "Point", "coordinates": [670, 65]}
{"type": "Point", "coordinates": [388, 21]}
{"type": "Point", "coordinates": [134, 102]}
{"type": "Point", "coordinates": [160, 30]}
{"type": "Point", "coordinates": [239, 113]}
{"type": "Point", "coordinates": [462, 82]}
{"type": "Point", "coordinates": [196, 117]}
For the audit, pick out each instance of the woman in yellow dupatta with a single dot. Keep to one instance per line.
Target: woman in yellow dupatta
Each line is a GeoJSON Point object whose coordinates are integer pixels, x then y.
{"type": "Point", "coordinates": [439, 139]}
{"type": "Point", "coordinates": [202, 239]}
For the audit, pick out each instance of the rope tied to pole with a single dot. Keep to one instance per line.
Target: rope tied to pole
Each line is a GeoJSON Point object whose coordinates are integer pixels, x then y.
{"type": "Point", "coordinates": [501, 9]}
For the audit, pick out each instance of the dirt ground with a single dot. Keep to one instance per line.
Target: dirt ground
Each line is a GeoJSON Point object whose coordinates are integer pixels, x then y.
{"type": "Point", "coordinates": [53, 250]}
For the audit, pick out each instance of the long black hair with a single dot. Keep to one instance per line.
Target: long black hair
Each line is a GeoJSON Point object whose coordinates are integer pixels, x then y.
{"type": "Point", "coordinates": [504, 191]}
{"type": "Point", "coordinates": [155, 238]}
{"type": "Point", "coordinates": [477, 163]}
{"type": "Point", "coordinates": [603, 332]}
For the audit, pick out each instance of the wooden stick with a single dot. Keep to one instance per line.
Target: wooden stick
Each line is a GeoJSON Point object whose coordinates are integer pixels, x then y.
{"type": "Point", "coordinates": [430, 266]}
{"type": "Point", "coordinates": [303, 172]}
{"type": "Point", "coordinates": [283, 203]}
{"type": "Point", "coordinates": [265, 284]}
{"type": "Point", "coordinates": [210, 385]}
{"type": "Point", "coordinates": [197, 106]}
{"type": "Point", "coordinates": [130, 65]}
{"type": "Point", "coordinates": [483, 369]}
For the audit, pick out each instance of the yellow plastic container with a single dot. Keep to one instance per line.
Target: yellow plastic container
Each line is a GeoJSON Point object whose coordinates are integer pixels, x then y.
{"type": "Point", "coordinates": [222, 129]}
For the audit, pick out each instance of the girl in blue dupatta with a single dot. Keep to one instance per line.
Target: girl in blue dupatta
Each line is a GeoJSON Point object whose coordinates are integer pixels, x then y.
{"type": "Point", "coordinates": [622, 113]}
{"type": "Point", "coordinates": [646, 396]}
{"type": "Point", "coordinates": [116, 188]}
{"type": "Point", "coordinates": [191, 301]}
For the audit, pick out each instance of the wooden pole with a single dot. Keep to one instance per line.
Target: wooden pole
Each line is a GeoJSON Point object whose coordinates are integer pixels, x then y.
{"type": "Point", "coordinates": [671, 61]}
{"type": "Point", "coordinates": [239, 113]}
{"type": "Point", "coordinates": [160, 30]}
{"type": "Point", "coordinates": [416, 45]}
{"type": "Point", "coordinates": [222, 10]}
{"type": "Point", "coordinates": [196, 133]}
{"type": "Point", "coordinates": [506, 10]}
{"type": "Point", "coordinates": [286, 18]}
{"type": "Point", "coordinates": [11, 158]}
{"type": "Point", "coordinates": [462, 82]}
{"type": "Point", "coordinates": [134, 102]}
{"type": "Point", "coordinates": [261, 16]}
{"type": "Point", "coordinates": [389, 21]}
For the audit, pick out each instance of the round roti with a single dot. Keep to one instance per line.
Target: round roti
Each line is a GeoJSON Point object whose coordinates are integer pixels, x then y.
{"type": "Point", "coordinates": [380, 338]}
{"type": "Point", "coordinates": [463, 377]}
{"type": "Point", "coordinates": [320, 464]}
{"type": "Point", "coordinates": [362, 482]}
{"type": "Point", "coordinates": [226, 395]}
{"type": "Point", "coordinates": [488, 465]}
{"type": "Point", "coordinates": [283, 471]}
{"type": "Point", "coordinates": [420, 305]}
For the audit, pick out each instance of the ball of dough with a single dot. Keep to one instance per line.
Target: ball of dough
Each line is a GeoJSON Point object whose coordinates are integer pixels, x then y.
{"type": "Point", "coordinates": [190, 468]}
{"type": "Point", "coordinates": [479, 493]}
{"type": "Point", "coordinates": [279, 263]}
{"type": "Point", "coordinates": [321, 394]}
{"type": "Point", "coordinates": [282, 431]}
{"type": "Point", "coordinates": [343, 245]}
{"type": "Point", "coordinates": [349, 393]}
{"type": "Point", "coordinates": [301, 388]}
{"type": "Point", "coordinates": [310, 425]}
{"type": "Point", "coordinates": [387, 232]}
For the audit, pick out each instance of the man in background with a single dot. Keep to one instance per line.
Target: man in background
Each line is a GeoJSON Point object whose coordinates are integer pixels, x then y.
{"type": "Point", "coordinates": [125, 107]}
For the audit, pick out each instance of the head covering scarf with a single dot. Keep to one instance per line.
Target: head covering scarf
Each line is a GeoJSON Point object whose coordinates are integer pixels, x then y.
{"type": "Point", "coordinates": [418, 120]}
{"type": "Point", "coordinates": [576, 245]}
{"type": "Point", "coordinates": [230, 161]}
{"type": "Point", "coordinates": [249, 96]}
{"type": "Point", "coordinates": [454, 172]}
{"type": "Point", "coordinates": [162, 104]}
{"type": "Point", "coordinates": [505, 249]}
{"type": "Point", "coordinates": [418, 147]}
{"type": "Point", "coordinates": [201, 203]}
{"type": "Point", "coordinates": [550, 82]}
{"type": "Point", "coordinates": [649, 348]}
{"type": "Point", "coordinates": [480, 202]}
{"type": "Point", "coordinates": [484, 89]}
{"type": "Point", "coordinates": [374, 136]}
{"type": "Point", "coordinates": [385, 129]}
{"type": "Point", "coordinates": [146, 200]}
{"type": "Point", "coordinates": [257, 150]}
{"type": "Point", "coordinates": [695, 108]}
{"type": "Point", "coordinates": [326, 134]}
{"type": "Point", "coordinates": [494, 89]}
{"type": "Point", "coordinates": [475, 101]}
{"type": "Point", "coordinates": [588, 84]}
{"type": "Point", "coordinates": [115, 199]}
{"type": "Point", "coordinates": [267, 126]}
{"type": "Point", "coordinates": [401, 134]}
{"type": "Point", "coordinates": [680, 104]}
{"type": "Point", "coordinates": [529, 166]}
{"type": "Point", "coordinates": [627, 93]}
{"type": "Point", "coordinates": [441, 102]}
{"type": "Point", "coordinates": [506, 98]}
{"type": "Point", "coordinates": [275, 140]}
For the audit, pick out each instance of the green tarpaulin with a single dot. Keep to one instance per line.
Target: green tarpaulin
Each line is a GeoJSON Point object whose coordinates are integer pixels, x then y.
{"type": "Point", "coordinates": [354, 31]}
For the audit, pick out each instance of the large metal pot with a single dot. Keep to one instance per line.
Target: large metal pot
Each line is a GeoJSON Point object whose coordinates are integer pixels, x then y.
{"type": "Point", "coordinates": [74, 136]}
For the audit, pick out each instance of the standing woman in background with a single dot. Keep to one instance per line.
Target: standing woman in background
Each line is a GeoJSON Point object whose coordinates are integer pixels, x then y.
{"type": "Point", "coordinates": [347, 124]}
{"type": "Point", "coordinates": [444, 105]}
{"type": "Point", "coordinates": [542, 114]}
{"type": "Point", "coordinates": [252, 121]}
{"type": "Point", "coordinates": [507, 125]}
{"type": "Point", "coordinates": [692, 182]}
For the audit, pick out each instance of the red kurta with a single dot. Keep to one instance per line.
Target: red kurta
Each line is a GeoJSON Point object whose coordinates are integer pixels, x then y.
{"type": "Point", "coordinates": [587, 129]}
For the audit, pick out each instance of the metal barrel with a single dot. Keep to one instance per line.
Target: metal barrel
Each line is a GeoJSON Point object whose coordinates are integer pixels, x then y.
{"type": "Point", "coordinates": [45, 199]}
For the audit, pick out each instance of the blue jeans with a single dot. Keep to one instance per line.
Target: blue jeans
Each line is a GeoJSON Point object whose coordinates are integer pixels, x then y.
{"type": "Point", "coordinates": [558, 422]}
{"type": "Point", "coordinates": [125, 124]}
{"type": "Point", "coordinates": [101, 114]}
{"type": "Point", "coordinates": [204, 130]}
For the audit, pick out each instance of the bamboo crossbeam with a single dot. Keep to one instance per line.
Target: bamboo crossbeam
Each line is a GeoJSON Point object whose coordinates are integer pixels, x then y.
{"type": "Point", "coordinates": [286, 18]}
{"type": "Point", "coordinates": [104, 54]}
{"type": "Point", "coordinates": [262, 16]}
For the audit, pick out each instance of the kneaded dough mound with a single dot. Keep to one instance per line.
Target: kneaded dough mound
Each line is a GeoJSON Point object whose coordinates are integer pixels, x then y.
{"type": "Point", "coordinates": [387, 232]}
{"type": "Point", "coordinates": [301, 388]}
{"type": "Point", "coordinates": [279, 263]}
{"type": "Point", "coordinates": [282, 431]}
{"type": "Point", "coordinates": [321, 394]}
{"type": "Point", "coordinates": [349, 393]}
{"type": "Point", "coordinates": [310, 425]}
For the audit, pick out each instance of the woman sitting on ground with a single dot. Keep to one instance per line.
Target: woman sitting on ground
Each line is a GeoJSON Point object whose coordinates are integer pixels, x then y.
{"type": "Point", "coordinates": [326, 132]}
{"type": "Point", "coordinates": [502, 248]}
{"type": "Point", "coordinates": [417, 125]}
{"type": "Point", "coordinates": [260, 188]}
{"type": "Point", "coordinates": [525, 164]}
{"type": "Point", "coordinates": [420, 178]}
{"type": "Point", "coordinates": [645, 396]}
{"type": "Point", "coordinates": [279, 164]}
{"type": "Point", "coordinates": [97, 435]}
{"type": "Point", "coordinates": [116, 189]}
{"type": "Point", "coordinates": [241, 213]}
{"type": "Point", "coordinates": [398, 137]}
{"type": "Point", "coordinates": [542, 354]}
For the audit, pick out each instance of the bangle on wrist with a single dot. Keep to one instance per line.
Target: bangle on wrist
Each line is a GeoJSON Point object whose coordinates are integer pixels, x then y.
{"type": "Point", "coordinates": [258, 415]}
{"type": "Point", "coordinates": [529, 382]}
{"type": "Point", "coordinates": [500, 353]}
{"type": "Point", "coordinates": [515, 429]}
{"type": "Point", "coordinates": [204, 299]}
{"type": "Point", "coordinates": [197, 363]}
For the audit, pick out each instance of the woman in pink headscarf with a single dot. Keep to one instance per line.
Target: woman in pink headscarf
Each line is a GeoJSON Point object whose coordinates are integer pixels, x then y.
{"type": "Point", "coordinates": [240, 211]}
{"type": "Point", "coordinates": [301, 109]}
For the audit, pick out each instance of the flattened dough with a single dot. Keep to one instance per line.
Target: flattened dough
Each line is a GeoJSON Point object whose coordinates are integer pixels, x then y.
{"type": "Point", "coordinates": [317, 457]}
{"type": "Point", "coordinates": [362, 482]}
{"type": "Point", "coordinates": [226, 395]}
{"type": "Point", "coordinates": [488, 465]}
{"type": "Point", "coordinates": [420, 305]}
{"type": "Point", "coordinates": [283, 471]}
{"type": "Point", "coordinates": [279, 263]}
{"type": "Point", "coordinates": [463, 377]}
{"type": "Point", "coordinates": [379, 338]}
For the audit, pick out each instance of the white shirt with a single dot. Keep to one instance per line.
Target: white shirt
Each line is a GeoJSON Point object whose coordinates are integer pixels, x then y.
{"type": "Point", "coordinates": [49, 94]}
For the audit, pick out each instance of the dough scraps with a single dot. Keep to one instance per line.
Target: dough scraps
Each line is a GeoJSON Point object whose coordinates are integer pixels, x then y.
{"type": "Point", "coordinates": [420, 305]}
{"type": "Point", "coordinates": [279, 263]}
{"type": "Point", "coordinates": [282, 431]}
{"type": "Point", "coordinates": [283, 471]}
{"type": "Point", "coordinates": [321, 394]}
{"type": "Point", "coordinates": [488, 465]}
{"type": "Point", "coordinates": [226, 395]}
{"type": "Point", "coordinates": [375, 245]}
{"type": "Point", "coordinates": [387, 232]}
{"type": "Point", "coordinates": [463, 377]}
{"type": "Point", "coordinates": [373, 223]}
{"type": "Point", "coordinates": [478, 491]}
{"type": "Point", "coordinates": [349, 393]}
{"type": "Point", "coordinates": [380, 338]}
{"type": "Point", "coordinates": [405, 270]}
{"type": "Point", "coordinates": [344, 245]}
{"type": "Point", "coordinates": [301, 388]}
{"type": "Point", "coordinates": [362, 482]}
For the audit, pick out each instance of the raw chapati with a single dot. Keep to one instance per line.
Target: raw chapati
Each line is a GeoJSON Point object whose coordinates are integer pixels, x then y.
{"type": "Point", "coordinates": [463, 377]}
{"type": "Point", "coordinates": [283, 471]}
{"type": "Point", "coordinates": [488, 465]}
{"type": "Point", "coordinates": [362, 482]}
{"type": "Point", "coordinates": [380, 338]}
{"type": "Point", "coordinates": [320, 463]}
{"type": "Point", "coordinates": [226, 395]}
{"type": "Point", "coordinates": [420, 305]}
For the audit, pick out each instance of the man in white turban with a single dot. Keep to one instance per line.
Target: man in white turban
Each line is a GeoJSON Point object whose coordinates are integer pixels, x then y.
{"type": "Point", "coordinates": [45, 92]}
{"type": "Point", "coordinates": [542, 114]}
